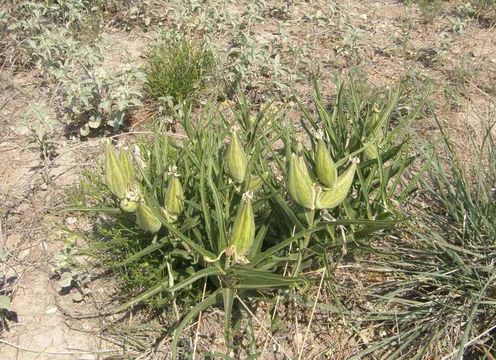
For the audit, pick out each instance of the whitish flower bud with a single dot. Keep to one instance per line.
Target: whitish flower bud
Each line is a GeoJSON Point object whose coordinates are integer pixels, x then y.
{"type": "Point", "coordinates": [128, 205]}
{"type": "Point", "coordinates": [300, 183]}
{"type": "Point", "coordinates": [243, 230]}
{"type": "Point", "coordinates": [236, 160]}
{"type": "Point", "coordinates": [146, 219]}
{"type": "Point", "coordinates": [326, 169]}
{"type": "Point", "coordinates": [174, 197]}
{"type": "Point", "coordinates": [328, 199]}
{"type": "Point", "coordinates": [130, 202]}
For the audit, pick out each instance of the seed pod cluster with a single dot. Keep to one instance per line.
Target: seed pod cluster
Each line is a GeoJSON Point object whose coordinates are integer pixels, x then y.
{"type": "Point", "coordinates": [119, 178]}
{"type": "Point", "coordinates": [120, 181]}
{"type": "Point", "coordinates": [331, 191]}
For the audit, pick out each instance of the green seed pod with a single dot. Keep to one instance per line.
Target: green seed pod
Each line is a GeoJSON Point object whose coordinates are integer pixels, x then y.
{"type": "Point", "coordinates": [174, 197]}
{"type": "Point", "coordinates": [326, 169]}
{"type": "Point", "coordinates": [371, 151]}
{"type": "Point", "coordinates": [375, 137]}
{"type": "Point", "coordinates": [129, 206]}
{"type": "Point", "coordinates": [116, 177]}
{"type": "Point", "coordinates": [236, 160]}
{"type": "Point", "coordinates": [374, 118]}
{"type": "Point", "coordinates": [127, 168]}
{"type": "Point", "coordinates": [328, 199]}
{"type": "Point", "coordinates": [255, 184]}
{"type": "Point", "coordinates": [146, 219]}
{"type": "Point", "coordinates": [243, 230]}
{"type": "Point", "coordinates": [300, 184]}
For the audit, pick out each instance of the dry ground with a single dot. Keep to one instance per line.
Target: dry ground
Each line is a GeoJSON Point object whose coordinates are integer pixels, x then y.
{"type": "Point", "coordinates": [388, 40]}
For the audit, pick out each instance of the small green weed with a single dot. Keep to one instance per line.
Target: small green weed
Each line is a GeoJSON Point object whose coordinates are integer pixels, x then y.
{"type": "Point", "coordinates": [430, 9]}
{"type": "Point", "coordinates": [40, 125]}
{"type": "Point", "coordinates": [178, 69]}
{"type": "Point", "coordinates": [60, 39]}
{"type": "Point", "coordinates": [458, 89]}
{"type": "Point", "coordinates": [5, 298]}
{"type": "Point", "coordinates": [92, 99]}
{"type": "Point", "coordinates": [48, 34]}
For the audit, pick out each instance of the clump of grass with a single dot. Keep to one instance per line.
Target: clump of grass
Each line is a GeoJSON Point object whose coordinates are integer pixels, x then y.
{"type": "Point", "coordinates": [439, 299]}
{"type": "Point", "coordinates": [430, 9]}
{"type": "Point", "coordinates": [464, 189]}
{"type": "Point", "coordinates": [178, 68]}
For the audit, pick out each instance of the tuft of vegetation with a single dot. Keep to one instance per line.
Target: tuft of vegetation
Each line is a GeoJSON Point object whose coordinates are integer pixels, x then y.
{"type": "Point", "coordinates": [439, 296]}
{"type": "Point", "coordinates": [226, 209]}
{"type": "Point", "coordinates": [243, 207]}
{"type": "Point", "coordinates": [178, 69]}
{"type": "Point", "coordinates": [5, 296]}
{"type": "Point", "coordinates": [60, 40]}
{"type": "Point", "coordinates": [430, 9]}
{"type": "Point", "coordinates": [92, 99]}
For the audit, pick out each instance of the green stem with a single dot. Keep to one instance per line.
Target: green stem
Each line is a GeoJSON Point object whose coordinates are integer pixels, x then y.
{"type": "Point", "coordinates": [310, 216]}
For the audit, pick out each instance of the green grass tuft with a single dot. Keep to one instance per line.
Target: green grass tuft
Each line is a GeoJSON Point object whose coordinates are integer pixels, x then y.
{"type": "Point", "coordinates": [177, 68]}
{"type": "Point", "coordinates": [438, 299]}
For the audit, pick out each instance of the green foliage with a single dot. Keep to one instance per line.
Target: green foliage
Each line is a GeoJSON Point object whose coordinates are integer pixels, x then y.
{"type": "Point", "coordinates": [439, 295]}
{"type": "Point", "coordinates": [50, 33]}
{"type": "Point", "coordinates": [39, 125]}
{"type": "Point", "coordinates": [59, 38]}
{"type": "Point", "coordinates": [205, 242]}
{"type": "Point", "coordinates": [92, 98]}
{"type": "Point", "coordinates": [5, 300]}
{"type": "Point", "coordinates": [430, 9]}
{"type": "Point", "coordinates": [178, 69]}
{"type": "Point", "coordinates": [365, 123]}
{"type": "Point", "coordinates": [481, 3]}
{"type": "Point", "coordinates": [465, 192]}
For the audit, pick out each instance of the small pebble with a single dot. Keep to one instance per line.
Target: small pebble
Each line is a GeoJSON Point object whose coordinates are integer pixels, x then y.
{"type": "Point", "coordinates": [51, 311]}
